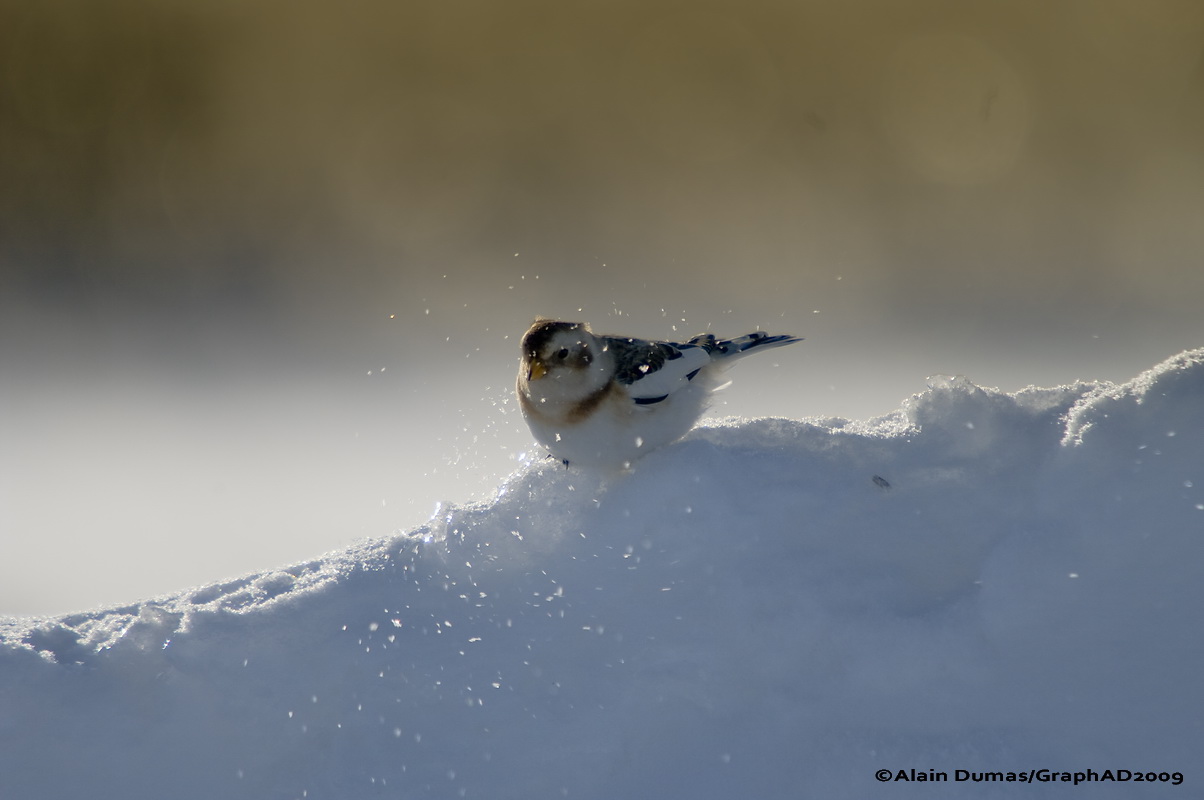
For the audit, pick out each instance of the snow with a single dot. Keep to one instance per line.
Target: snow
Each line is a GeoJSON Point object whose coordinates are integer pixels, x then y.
{"type": "Point", "coordinates": [980, 581]}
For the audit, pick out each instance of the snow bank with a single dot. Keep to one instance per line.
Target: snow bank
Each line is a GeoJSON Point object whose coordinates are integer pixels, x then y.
{"type": "Point", "coordinates": [981, 581]}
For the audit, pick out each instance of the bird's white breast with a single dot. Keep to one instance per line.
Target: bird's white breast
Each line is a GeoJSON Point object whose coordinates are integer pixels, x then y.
{"type": "Point", "coordinates": [618, 431]}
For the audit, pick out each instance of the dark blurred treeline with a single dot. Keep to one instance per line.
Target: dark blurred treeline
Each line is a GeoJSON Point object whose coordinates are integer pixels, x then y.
{"type": "Point", "coordinates": [947, 150]}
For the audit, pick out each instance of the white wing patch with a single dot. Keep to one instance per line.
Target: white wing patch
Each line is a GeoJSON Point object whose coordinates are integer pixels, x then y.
{"type": "Point", "coordinates": [658, 383]}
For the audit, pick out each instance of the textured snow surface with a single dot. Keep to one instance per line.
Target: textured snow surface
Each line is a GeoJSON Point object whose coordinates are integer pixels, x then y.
{"type": "Point", "coordinates": [770, 608]}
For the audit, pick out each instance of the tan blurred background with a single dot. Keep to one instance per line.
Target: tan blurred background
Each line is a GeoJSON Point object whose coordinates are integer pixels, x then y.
{"type": "Point", "coordinates": [263, 264]}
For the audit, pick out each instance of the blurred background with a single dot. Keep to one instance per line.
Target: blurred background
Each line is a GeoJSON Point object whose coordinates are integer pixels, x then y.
{"type": "Point", "coordinates": [264, 264]}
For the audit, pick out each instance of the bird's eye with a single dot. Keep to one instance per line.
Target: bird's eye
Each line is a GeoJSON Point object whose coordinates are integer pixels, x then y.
{"type": "Point", "coordinates": [562, 353]}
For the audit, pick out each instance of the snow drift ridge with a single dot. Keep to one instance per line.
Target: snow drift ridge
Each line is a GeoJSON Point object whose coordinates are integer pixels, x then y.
{"type": "Point", "coordinates": [769, 608]}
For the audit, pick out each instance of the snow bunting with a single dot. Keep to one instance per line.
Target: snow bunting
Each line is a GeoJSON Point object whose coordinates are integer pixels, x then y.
{"type": "Point", "coordinates": [604, 401]}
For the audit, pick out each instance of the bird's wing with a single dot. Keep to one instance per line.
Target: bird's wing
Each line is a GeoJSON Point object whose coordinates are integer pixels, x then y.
{"type": "Point", "coordinates": [652, 371]}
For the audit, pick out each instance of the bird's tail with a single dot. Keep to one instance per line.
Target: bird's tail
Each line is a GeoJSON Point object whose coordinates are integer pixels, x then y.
{"type": "Point", "coordinates": [741, 345]}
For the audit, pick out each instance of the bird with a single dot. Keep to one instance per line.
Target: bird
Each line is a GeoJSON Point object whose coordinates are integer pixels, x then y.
{"type": "Point", "coordinates": [602, 402]}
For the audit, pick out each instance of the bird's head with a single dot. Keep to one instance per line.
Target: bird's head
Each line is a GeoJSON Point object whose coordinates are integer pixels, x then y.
{"type": "Point", "coordinates": [562, 358]}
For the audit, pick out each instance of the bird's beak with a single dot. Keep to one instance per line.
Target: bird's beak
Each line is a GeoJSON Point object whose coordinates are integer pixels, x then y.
{"type": "Point", "coordinates": [536, 371]}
